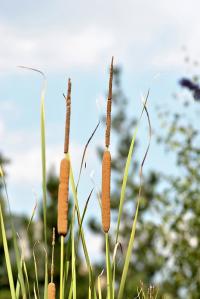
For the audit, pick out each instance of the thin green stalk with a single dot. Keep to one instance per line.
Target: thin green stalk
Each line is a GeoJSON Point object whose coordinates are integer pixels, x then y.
{"type": "Point", "coordinates": [7, 257]}
{"type": "Point", "coordinates": [46, 275]}
{"type": "Point", "coordinates": [61, 265]}
{"type": "Point", "coordinates": [89, 293]}
{"type": "Point", "coordinates": [70, 291]}
{"type": "Point", "coordinates": [36, 271]}
{"type": "Point", "coordinates": [99, 285]}
{"type": "Point", "coordinates": [73, 257]}
{"type": "Point", "coordinates": [27, 279]}
{"type": "Point", "coordinates": [108, 269]}
{"type": "Point", "coordinates": [66, 271]}
{"type": "Point", "coordinates": [34, 290]}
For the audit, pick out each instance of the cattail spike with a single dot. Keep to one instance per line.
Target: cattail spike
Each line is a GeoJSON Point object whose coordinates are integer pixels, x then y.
{"type": "Point", "coordinates": [63, 193]}
{"type": "Point", "coordinates": [109, 105]}
{"type": "Point", "coordinates": [110, 79]}
{"type": "Point", "coordinates": [51, 290]}
{"type": "Point", "coordinates": [106, 173]}
{"type": "Point", "coordinates": [68, 114]}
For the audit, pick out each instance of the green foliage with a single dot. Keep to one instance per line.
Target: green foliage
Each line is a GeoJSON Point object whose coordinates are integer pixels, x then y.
{"type": "Point", "coordinates": [182, 212]}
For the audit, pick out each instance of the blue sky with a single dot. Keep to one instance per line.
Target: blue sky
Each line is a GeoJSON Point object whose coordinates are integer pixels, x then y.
{"type": "Point", "coordinates": [77, 39]}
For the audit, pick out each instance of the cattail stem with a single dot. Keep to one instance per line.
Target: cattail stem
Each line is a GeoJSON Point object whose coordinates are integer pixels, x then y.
{"type": "Point", "coordinates": [51, 286]}
{"type": "Point", "coordinates": [109, 105]}
{"type": "Point", "coordinates": [61, 265]}
{"type": "Point", "coordinates": [108, 268]}
{"type": "Point", "coordinates": [68, 114]}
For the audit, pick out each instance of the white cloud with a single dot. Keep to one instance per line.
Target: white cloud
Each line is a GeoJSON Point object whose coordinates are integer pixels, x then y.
{"type": "Point", "coordinates": [138, 33]}
{"type": "Point", "coordinates": [52, 49]}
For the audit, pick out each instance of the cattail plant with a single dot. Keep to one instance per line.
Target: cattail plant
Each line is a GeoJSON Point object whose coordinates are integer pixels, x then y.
{"type": "Point", "coordinates": [51, 285]}
{"type": "Point", "coordinates": [63, 190]}
{"type": "Point", "coordinates": [106, 162]}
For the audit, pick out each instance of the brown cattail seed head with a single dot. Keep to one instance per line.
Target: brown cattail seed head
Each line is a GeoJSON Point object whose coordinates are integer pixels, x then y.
{"type": "Point", "coordinates": [106, 172]}
{"type": "Point", "coordinates": [68, 115]}
{"type": "Point", "coordinates": [63, 192]}
{"type": "Point", "coordinates": [51, 291]}
{"type": "Point", "coordinates": [109, 105]}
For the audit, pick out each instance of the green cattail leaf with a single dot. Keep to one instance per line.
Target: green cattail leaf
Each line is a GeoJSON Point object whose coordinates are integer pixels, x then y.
{"type": "Point", "coordinates": [43, 155]}
{"type": "Point", "coordinates": [43, 158]}
{"type": "Point", "coordinates": [126, 170]}
{"type": "Point", "coordinates": [132, 236]}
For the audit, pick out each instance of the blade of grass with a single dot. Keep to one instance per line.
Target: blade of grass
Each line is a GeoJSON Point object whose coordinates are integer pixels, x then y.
{"type": "Point", "coordinates": [46, 275]}
{"type": "Point", "coordinates": [32, 216]}
{"type": "Point", "coordinates": [126, 170]}
{"type": "Point", "coordinates": [35, 268]}
{"type": "Point", "coordinates": [132, 236]}
{"type": "Point", "coordinates": [83, 215]}
{"type": "Point", "coordinates": [84, 153]}
{"type": "Point", "coordinates": [43, 144]}
{"type": "Point", "coordinates": [27, 279]}
{"type": "Point", "coordinates": [7, 257]}
{"type": "Point", "coordinates": [65, 277]}
{"type": "Point", "coordinates": [23, 266]}
{"type": "Point", "coordinates": [43, 153]}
